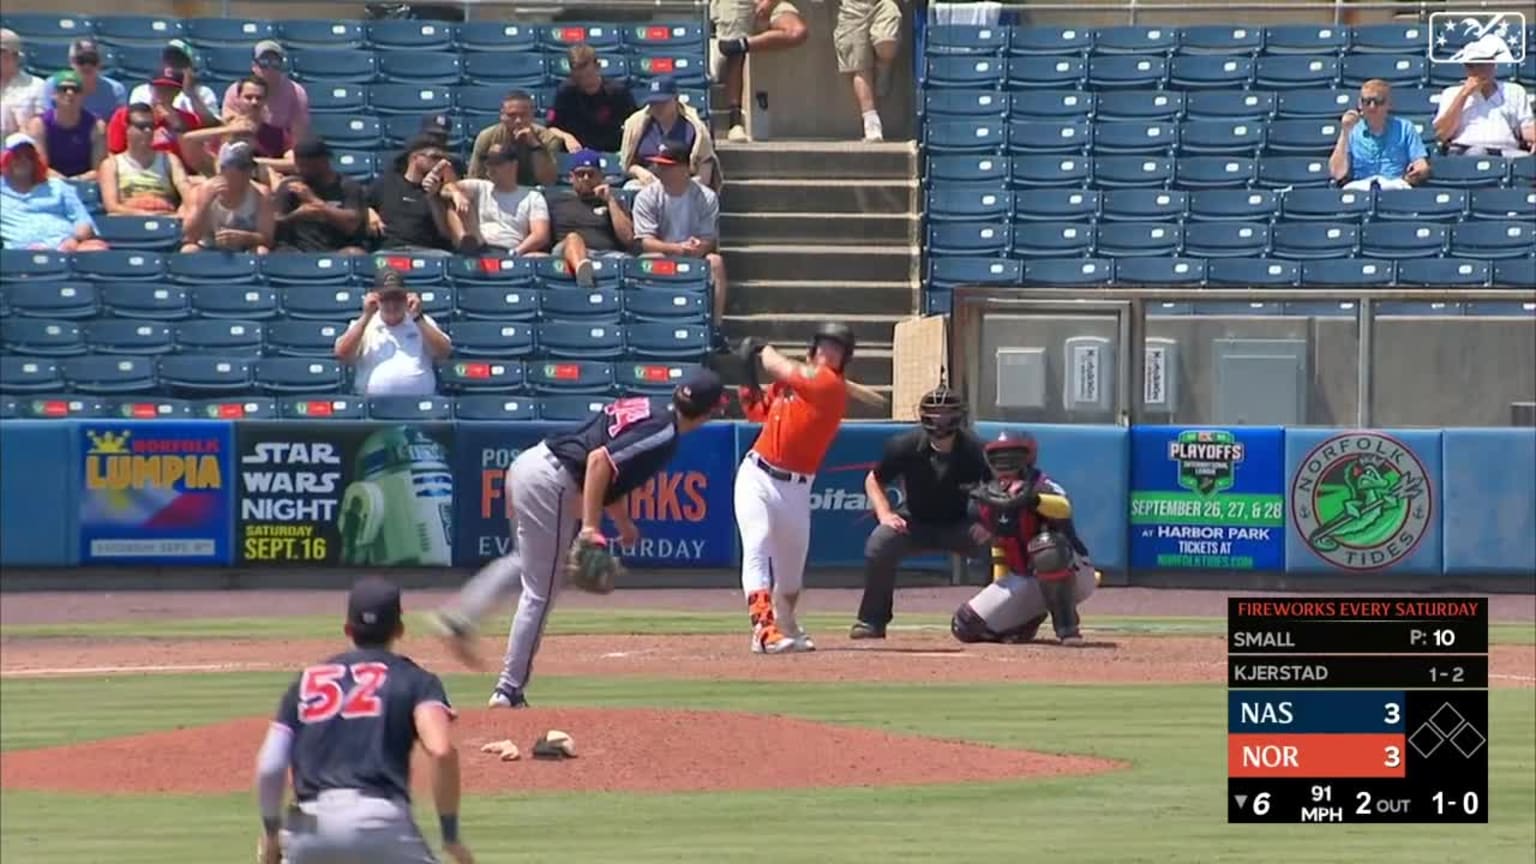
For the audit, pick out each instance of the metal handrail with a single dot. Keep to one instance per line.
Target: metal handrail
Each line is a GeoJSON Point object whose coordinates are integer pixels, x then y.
{"type": "Point", "coordinates": [989, 294]}
{"type": "Point", "coordinates": [1134, 8]}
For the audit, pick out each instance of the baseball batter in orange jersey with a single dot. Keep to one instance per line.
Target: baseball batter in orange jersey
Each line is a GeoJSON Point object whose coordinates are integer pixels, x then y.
{"type": "Point", "coordinates": [800, 412]}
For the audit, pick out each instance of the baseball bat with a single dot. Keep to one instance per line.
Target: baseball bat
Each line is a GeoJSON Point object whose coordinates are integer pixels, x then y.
{"type": "Point", "coordinates": [867, 395]}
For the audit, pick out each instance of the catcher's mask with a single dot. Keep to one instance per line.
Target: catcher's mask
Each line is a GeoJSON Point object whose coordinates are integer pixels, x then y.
{"type": "Point", "coordinates": [841, 334]}
{"type": "Point", "coordinates": [942, 412]}
{"type": "Point", "coordinates": [1012, 453]}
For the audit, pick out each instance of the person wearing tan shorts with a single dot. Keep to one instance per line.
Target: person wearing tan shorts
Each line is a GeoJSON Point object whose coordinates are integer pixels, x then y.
{"type": "Point", "coordinates": [743, 26]}
{"type": "Point", "coordinates": [865, 38]}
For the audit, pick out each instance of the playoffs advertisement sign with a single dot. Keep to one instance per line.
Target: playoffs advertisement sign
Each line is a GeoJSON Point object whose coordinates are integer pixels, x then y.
{"type": "Point", "coordinates": [354, 494]}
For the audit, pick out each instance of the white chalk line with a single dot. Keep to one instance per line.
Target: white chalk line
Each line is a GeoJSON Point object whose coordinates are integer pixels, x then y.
{"type": "Point", "coordinates": [66, 671]}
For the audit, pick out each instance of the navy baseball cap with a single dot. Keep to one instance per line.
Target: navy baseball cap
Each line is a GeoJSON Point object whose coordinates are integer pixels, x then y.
{"type": "Point", "coordinates": [663, 89]}
{"type": "Point", "coordinates": [700, 392]}
{"type": "Point", "coordinates": [373, 609]}
{"type": "Point", "coordinates": [586, 157]}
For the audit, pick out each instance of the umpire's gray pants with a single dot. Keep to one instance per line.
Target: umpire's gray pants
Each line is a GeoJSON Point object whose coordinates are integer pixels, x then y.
{"type": "Point", "coordinates": [342, 827]}
{"type": "Point", "coordinates": [546, 512]}
{"type": "Point", "coordinates": [1013, 600]}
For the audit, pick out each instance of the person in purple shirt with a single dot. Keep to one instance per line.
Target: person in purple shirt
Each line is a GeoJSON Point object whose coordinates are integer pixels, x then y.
{"type": "Point", "coordinates": [38, 211]}
{"type": "Point", "coordinates": [72, 140]}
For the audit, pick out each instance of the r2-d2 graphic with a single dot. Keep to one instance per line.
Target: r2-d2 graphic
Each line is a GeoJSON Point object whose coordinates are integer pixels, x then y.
{"type": "Point", "coordinates": [399, 512]}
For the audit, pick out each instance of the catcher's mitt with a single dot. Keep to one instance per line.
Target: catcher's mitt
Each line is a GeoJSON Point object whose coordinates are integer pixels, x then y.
{"type": "Point", "coordinates": [1005, 496]}
{"type": "Point", "coordinates": [591, 566]}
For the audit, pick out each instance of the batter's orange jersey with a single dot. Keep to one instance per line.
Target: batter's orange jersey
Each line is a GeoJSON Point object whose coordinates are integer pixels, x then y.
{"type": "Point", "coordinates": [800, 419]}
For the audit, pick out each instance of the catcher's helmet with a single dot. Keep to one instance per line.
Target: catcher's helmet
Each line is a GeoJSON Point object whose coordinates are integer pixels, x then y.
{"type": "Point", "coordinates": [842, 334]}
{"type": "Point", "coordinates": [941, 411]}
{"type": "Point", "coordinates": [1012, 452]}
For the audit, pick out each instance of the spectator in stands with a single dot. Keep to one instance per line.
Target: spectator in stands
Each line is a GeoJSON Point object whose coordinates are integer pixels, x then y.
{"type": "Point", "coordinates": [274, 148]}
{"type": "Point", "coordinates": [1485, 116]}
{"type": "Point", "coordinates": [72, 140]}
{"type": "Point", "coordinates": [750, 25]}
{"type": "Point", "coordinates": [405, 209]}
{"type": "Point", "coordinates": [319, 209]}
{"type": "Point", "coordinates": [497, 216]}
{"type": "Point", "coordinates": [287, 102]}
{"type": "Point", "coordinates": [21, 93]}
{"type": "Point", "coordinates": [38, 211]}
{"type": "Point", "coordinates": [194, 98]}
{"type": "Point", "coordinates": [142, 181]}
{"type": "Point", "coordinates": [393, 344]}
{"type": "Point", "coordinates": [537, 146]}
{"type": "Point", "coordinates": [171, 123]}
{"type": "Point", "coordinates": [678, 217]}
{"type": "Point", "coordinates": [588, 107]}
{"type": "Point", "coordinates": [1384, 152]}
{"type": "Point", "coordinates": [230, 213]}
{"type": "Point", "coordinates": [589, 220]}
{"type": "Point", "coordinates": [100, 94]}
{"type": "Point", "coordinates": [666, 121]}
{"type": "Point", "coordinates": [865, 40]}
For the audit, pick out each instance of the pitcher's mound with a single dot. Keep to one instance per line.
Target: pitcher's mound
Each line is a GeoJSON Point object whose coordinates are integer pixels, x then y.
{"type": "Point", "coordinates": [630, 750]}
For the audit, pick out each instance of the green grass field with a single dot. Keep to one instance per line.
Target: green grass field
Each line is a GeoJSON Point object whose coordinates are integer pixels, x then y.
{"type": "Point", "coordinates": [1169, 806]}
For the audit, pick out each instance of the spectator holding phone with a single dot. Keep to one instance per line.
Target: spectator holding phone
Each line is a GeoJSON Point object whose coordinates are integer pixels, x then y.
{"type": "Point", "coordinates": [1375, 149]}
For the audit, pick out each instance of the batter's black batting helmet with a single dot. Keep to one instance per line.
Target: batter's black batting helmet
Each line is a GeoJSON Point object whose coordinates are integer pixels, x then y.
{"type": "Point", "coordinates": [1012, 452]}
{"type": "Point", "coordinates": [941, 411]}
{"type": "Point", "coordinates": [842, 334]}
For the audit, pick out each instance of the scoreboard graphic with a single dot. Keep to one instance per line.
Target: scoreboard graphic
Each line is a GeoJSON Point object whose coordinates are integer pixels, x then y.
{"type": "Point", "coordinates": [1349, 709]}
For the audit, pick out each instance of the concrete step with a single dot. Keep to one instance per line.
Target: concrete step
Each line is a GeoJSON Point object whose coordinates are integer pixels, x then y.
{"type": "Point", "coordinates": [796, 329]}
{"type": "Point", "coordinates": [833, 264]}
{"type": "Point", "coordinates": [825, 298]}
{"type": "Point", "coordinates": [844, 160]}
{"type": "Point", "coordinates": [842, 229]}
{"type": "Point", "coordinates": [780, 195]}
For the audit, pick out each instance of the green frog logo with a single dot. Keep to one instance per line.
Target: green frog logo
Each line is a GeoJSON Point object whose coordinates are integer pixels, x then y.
{"type": "Point", "coordinates": [1361, 501]}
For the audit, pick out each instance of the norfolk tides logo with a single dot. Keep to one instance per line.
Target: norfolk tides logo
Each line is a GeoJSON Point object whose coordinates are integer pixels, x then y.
{"type": "Point", "coordinates": [1361, 501]}
{"type": "Point", "coordinates": [1207, 460]}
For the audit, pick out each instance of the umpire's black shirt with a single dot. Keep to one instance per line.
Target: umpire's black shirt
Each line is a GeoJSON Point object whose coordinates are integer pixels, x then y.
{"type": "Point", "coordinates": [932, 480]}
{"type": "Point", "coordinates": [640, 434]}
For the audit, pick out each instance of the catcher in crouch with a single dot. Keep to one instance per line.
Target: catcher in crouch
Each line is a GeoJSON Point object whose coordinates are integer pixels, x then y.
{"type": "Point", "coordinates": [567, 481]}
{"type": "Point", "coordinates": [1049, 573]}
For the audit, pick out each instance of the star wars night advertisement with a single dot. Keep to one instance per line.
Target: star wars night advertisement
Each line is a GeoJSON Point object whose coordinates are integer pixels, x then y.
{"type": "Point", "coordinates": [353, 494]}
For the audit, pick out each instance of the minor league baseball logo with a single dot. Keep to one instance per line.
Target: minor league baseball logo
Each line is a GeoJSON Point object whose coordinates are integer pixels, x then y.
{"type": "Point", "coordinates": [1361, 501]}
{"type": "Point", "coordinates": [1476, 37]}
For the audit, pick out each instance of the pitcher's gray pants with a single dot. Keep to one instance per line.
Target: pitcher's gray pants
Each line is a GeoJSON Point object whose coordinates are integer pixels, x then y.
{"type": "Point", "coordinates": [342, 827]}
{"type": "Point", "coordinates": [546, 513]}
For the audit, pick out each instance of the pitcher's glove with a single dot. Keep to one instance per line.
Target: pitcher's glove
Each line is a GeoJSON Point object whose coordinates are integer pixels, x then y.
{"type": "Point", "coordinates": [1003, 498]}
{"type": "Point", "coordinates": [591, 566]}
{"type": "Point", "coordinates": [747, 351]}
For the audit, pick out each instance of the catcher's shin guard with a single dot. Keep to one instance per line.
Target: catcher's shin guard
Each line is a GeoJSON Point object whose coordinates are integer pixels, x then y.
{"type": "Point", "coordinates": [1061, 603]}
{"type": "Point", "coordinates": [967, 626]}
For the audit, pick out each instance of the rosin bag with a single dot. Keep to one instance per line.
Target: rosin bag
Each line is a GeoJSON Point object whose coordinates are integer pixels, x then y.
{"type": "Point", "coordinates": [399, 512]}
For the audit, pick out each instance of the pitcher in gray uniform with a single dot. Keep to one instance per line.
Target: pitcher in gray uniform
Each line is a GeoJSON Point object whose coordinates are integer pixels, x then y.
{"type": "Point", "coordinates": [558, 487]}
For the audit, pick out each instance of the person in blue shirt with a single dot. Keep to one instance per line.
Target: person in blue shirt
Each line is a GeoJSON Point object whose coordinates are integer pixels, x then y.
{"type": "Point", "coordinates": [100, 94]}
{"type": "Point", "coordinates": [1383, 152]}
{"type": "Point", "coordinates": [38, 211]}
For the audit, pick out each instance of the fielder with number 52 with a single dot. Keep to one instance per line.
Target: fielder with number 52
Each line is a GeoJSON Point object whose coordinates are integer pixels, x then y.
{"type": "Point", "coordinates": [570, 479]}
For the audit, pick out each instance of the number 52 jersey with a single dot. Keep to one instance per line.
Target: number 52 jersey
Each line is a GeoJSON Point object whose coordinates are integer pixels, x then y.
{"type": "Point", "coordinates": [353, 723]}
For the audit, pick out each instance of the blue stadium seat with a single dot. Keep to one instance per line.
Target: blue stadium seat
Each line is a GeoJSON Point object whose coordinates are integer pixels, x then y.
{"type": "Point", "coordinates": [1134, 138]}
{"type": "Point", "coordinates": [1056, 205]}
{"type": "Point", "coordinates": [649, 378]}
{"type": "Point", "coordinates": [500, 272]}
{"type": "Point", "coordinates": [57, 406]}
{"type": "Point", "coordinates": [1127, 71]}
{"type": "Point", "coordinates": [1423, 205]}
{"type": "Point", "coordinates": [1221, 39]}
{"type": "Point", "coordinates": [153, 233]}
{"type": "Point", "coordinates": [578, 305]}
{"type": "Point", "coordinates": [303, 33]}
{"type": "Point", "coordinates": [1399, 70]}
{"type": "Point", "coordinates": [666, 34]}
{"type": "Point", "coordinates": [129, 336]}
{"type": "Point", "coordinates": [290, 338]}
{"type": "Point", "coordinates": [246, 302]}
{"type": "Point", "coordinates": [237, 408]}
{"type": "Point", "coordinates": [1281, 172]}
{"type": "Point", "coordinates": [418, 409]}
{"type": "Point", "coordinates": [1230, 105]}
{"type": "Point", "coordinates": [58, 300]}
{"type": "Point", "coordinates": [416, 98]}
{"type": "Point", "coordinates": [1302, 137]}
{"type": "Point", "coordinates": [1407, 38]}
{"type": "Point", "coordinates": [404, 34]}
{"type": "Point", "coordinates": [334, 65]}
{"type": "Point", "coordinates": [306, 269]}
{"type": "Point", "coordinates": [1448, 272]}
{"type": "Point", "coordinates": [30, 374]}
{"type": "Point", "coordinates": [965, 39]}
{"type": "Point", "coordinates": [1044, 73]}
{"type": "Point", "coordinates": [1144, 205]}
{"type": "Point", "coordinates": [1288, 72]}
{"type": "Point", "coordinates": [116, 30]}
{"type": "Point", "coordinates": [120, 266]}
{"type": "Point", "coordinates": [968, 204]}
{"type": "Point", "coordinates": [1214, 172]}
{"type": "Point", "coordinates": [952, 105]}
{"type": "Point", "coordinates": [90, 196]}
{"type": "Point", "coordinates": [670, 273]}
{"type": "Point", "coordinates": [228, 32]}
{"type": "Point", "coordinates": [1468, 172]}
{"type": "Point", "coordinates": [1314, 240]}
{"type": "Point", "coordinates": [1515, 273]}
{"type": "Point", "coordinates": [479, 98]}
{"type": "Point", "coordinates": [553, 272]}
{"type": "Point", "coordinates": [500, 339]}
{"type": "Point", "coordinates": [664, 305]}
{"type": "Point", "coordinates": [1069, 272]}
{"type": "Point", "coordinates": [1313, 104]}
{"type": "Point", "coordinates": [17, 265]}
{"type": "Point", "coordinates": [557, 64]}
{"type": "Point", "coordinates": [1305, 39]}
{"type": "Point", "coordinates": [1052, 105]}
{"type": "Point", "coordinates": [668, 341]}
{"type": "Point", "coordinates": [1031, 138]}
{"type": "Point", "coordinates": [953, 272]}
{"type": "Point", "coordinates": [48, 27]}
{"type": "Point", "coordinates": [1326, 205]}
{"type": "Point", "coordinates": [570, 409]}
{"type": "Point", "coordinates": [228, 62]}
{"type": "Point", "coordinates": [109, 375]}
{"type": "Point", "coordinates": [965, 136]}
{"type": "Point", "coordinates": [1229, 205]}
{"type": "Point", "coordinates": [1348, 272]}
{"type": "Point", "coordinates": [1201, 72]}
{"type": "Point", "coordinates": [965, 72]}
{"type": "Point", "coordinates": [330, 407]}
{"type": "Point", "coordinates": [1132, 172]}
{"type": "Point", "coordinates": [418, 270]}
{"type": "Point", "coordinates": [400, 128]}
{"type": "Point", "coordinates": [1135, 40]}
{"type": "Point", "coordinates": [1415, 308]}
{"type": "Point", "coordinates": [41, 337]}
{"type": "Point", "coordinates": [212, 268]}
{"type": "Point", "coordinates": [214, 336]}
{"type": "Point", "coordinates": [525, 71]}
{"type": "Point", "coordinates": [1416, 101]}
{"type": "Point", "coordinates": [488, 302]}
{"type": "Point", "coordinates": [1052, 239]}
{"type": "Point", "coordinates": [1221, 137]}
{"type": "Point", "coordinates": [283, 375]}
{"type": "Point", "coordinates": [576, 340]}
{"type": "Point", "coordinates": [140, 62]}
{"type": "Point", "coordinates": [1137, 239]}
{"type": "Point", "coordinates": [360, 165]}
{"type": "Point", "coordinates": [1503, 203]}
{"type": "Point", "coordinates": [1499, 309]}
{"type": "Point", "coordinates": [497, 37]}
{"type": "Point", "coordinates": [570, 377]}
{"type": "Point", "coordinates": [436, 301]}
{"type": "Point", "coordinates": [1029, 41]}
{"type": "Point", "coordinates": [1402, 240]}
{"type": "Point", "coordinates": [1036, 172]}
{"type": "Point", "coordinates": [968, 238]}
{"type": "Point", "coordinates": [495, 407]}
{"type": "Point", "coordinates": [1494, 239]}
{"type": "Point", "coordinates": [323, 302]}
{"type": "Point", "coordinates": [45, 58]}
{"type": "Point", "coordinates": [565, 34]}
{"type": "Point", "coordinates": [683, 65]}
{"type": "Point", "coordinates": [1132, 105]}
{"type": "Point", "coordinates": [1257, 272]}
{"type": "Point", "coordinates": [419, 68]}
{"type": "Point", "coordinates": [1162, 270]}
{"type": "Point", "coordinates": [1443, 75]}
{"type": "Point", "coordinates": [1226, 239]}
{"type": "Point", "coordinates": [152, 407]}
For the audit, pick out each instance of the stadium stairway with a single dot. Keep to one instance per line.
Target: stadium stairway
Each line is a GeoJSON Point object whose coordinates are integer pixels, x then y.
{"type": "Point", "coordinates": [821, 231]}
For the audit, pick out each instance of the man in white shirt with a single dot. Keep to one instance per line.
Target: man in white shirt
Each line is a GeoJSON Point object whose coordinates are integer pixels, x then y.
{"type": "Point", "coordinates": [1486, 116]}
{"type": "Point", "coordinates": [393, 345]}
{"type": "Point", "coordinates": [21, 93]}
{"type": "Point", "coordinates": [497, 216]}
{"type": "Point", "coordinates": [194, 98]}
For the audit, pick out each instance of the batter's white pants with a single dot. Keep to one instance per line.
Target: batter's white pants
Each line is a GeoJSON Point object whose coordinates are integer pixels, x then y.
{"type": "Point", "coordinates": [774, 519]}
